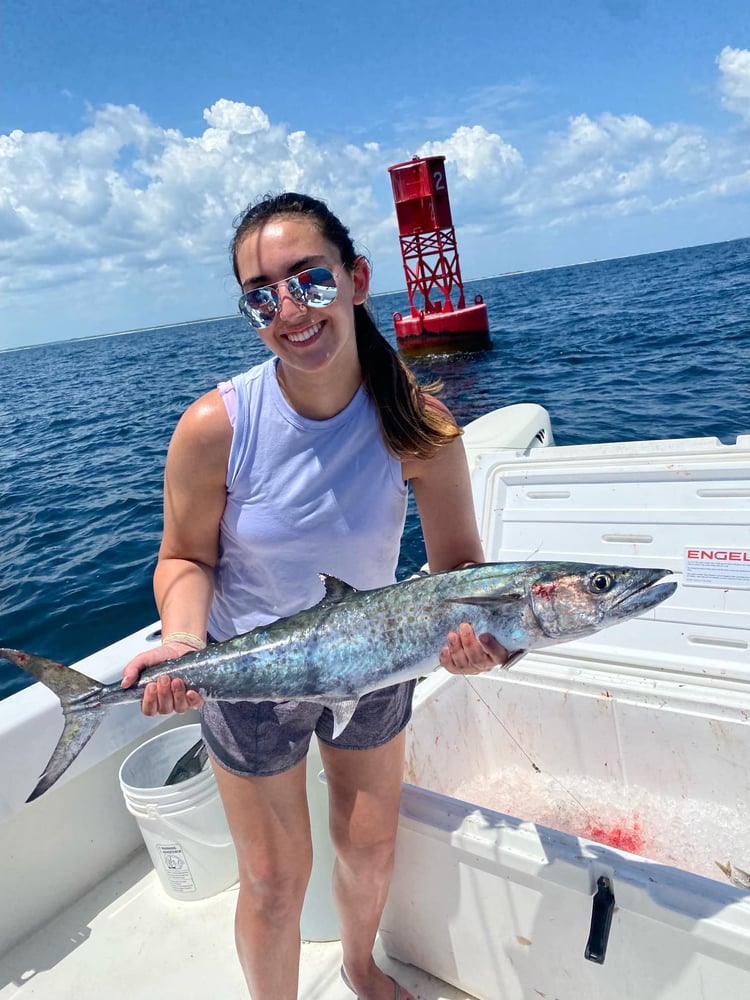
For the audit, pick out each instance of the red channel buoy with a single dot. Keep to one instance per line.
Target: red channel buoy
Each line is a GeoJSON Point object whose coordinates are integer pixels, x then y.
{"type": "Point", "coordinates": [440, 321]}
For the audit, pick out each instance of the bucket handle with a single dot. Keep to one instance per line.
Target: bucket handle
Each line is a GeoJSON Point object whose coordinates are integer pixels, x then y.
{"type": "Point", "coordinates": [153, 812]}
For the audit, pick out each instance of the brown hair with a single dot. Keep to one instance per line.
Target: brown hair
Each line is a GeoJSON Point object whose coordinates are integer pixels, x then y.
{"type": "Point", "coordinates": [413, 424]}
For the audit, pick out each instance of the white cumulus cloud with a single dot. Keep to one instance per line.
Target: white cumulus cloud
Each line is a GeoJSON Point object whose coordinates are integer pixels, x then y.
{"type": "Point", "coordinates": [232, 116]}
{"type": "Point", "coordinates": [477, 155]}
{"type": "Point", "coordinates": [734, 65]}
{"type": "Point", "coordinates": [621, 164]}
{"type": "Point", "coordinates": [126, 193]}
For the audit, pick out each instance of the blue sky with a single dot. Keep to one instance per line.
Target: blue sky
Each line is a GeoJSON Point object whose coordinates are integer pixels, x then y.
{"type": "Point", "coordinates": [132, 133]}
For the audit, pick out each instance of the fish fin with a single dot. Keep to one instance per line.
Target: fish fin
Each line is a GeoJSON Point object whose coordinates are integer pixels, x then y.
{"type": "Point", "coordinates": [514, 658]}
{"type": "Point", "coordinates": [190, 763]}
{"type": "Point", "coordinates": [79, 727]}
{"type": "Point", "coordinates": [336, 590]}
{"type": "Point", "coordinates": [342, 712]}
{"type": "Point", "coordinates": [488, 601]}
{"type": "Point", "coordinates": [79, 697]}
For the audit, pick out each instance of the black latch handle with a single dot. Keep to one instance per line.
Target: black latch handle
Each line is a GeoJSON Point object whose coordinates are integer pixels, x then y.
{"type": "Point", "coordinates": [601, 920]}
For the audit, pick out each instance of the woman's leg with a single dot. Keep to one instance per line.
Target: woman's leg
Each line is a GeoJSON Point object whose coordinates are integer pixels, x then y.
{"type": "Point", "coordinates": [270, 827]}
{"type": "Point", "coordinates": [364, 789]}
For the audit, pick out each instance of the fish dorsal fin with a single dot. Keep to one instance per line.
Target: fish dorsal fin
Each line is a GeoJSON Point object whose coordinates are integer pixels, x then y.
{"type": "Point", "coordinates": [336, 590]}
{"type": "Point", "coordinates": [488, 600]}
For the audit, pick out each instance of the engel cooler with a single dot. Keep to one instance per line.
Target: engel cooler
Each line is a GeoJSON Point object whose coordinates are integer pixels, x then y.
{"type": "Point", "coordinates": [564, 822]}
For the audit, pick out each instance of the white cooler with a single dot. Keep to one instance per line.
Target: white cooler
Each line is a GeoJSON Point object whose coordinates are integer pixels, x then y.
{"type": "Point", "coordinates": [562, 822]}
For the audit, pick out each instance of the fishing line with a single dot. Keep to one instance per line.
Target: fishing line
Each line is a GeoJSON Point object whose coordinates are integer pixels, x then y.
{"type": "Point", "coordinates": [527, 755]}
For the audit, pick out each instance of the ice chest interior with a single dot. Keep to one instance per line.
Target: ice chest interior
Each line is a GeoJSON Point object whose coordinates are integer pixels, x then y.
{"type": "Point", "coordinates": [563, 823]}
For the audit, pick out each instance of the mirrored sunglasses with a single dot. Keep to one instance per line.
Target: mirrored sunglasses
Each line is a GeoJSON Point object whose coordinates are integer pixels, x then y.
{"type": "Point", "coordinates": [314, 287]}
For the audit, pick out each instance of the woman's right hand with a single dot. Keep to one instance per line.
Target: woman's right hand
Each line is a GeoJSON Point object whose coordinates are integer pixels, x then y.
{"type": "Point", "coordinates": [166, 694]}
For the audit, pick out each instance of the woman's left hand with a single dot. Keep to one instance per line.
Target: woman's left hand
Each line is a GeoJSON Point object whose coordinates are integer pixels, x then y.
{"type": "Point", "coordinates": [467, 653]}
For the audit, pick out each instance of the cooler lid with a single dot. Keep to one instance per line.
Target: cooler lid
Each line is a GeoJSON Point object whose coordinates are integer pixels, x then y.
{"type": "Point", "coordinates": [683, 505]}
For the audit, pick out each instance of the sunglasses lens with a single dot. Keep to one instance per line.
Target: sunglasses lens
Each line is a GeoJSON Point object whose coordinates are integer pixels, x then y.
{"type": "Point", "coordinates": [315, 287]}
{"type": "Point", "coordinates": [259, 307]}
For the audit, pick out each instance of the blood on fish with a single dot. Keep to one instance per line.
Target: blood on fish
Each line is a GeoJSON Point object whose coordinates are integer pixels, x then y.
{"type": "Point", "coordinates": [619, 835]}
{"type": "Point", "coordinates": [544, 589]}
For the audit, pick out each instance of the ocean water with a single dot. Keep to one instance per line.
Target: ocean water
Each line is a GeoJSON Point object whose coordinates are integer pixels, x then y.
{"type": "Point", "coordinates": [652, 346]}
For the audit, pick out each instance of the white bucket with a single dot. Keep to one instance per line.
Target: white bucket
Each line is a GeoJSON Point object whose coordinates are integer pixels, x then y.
{"type": "Point", "coordinates": [183, 825]}
{"type": "Point", "coordinates": [319, 921]}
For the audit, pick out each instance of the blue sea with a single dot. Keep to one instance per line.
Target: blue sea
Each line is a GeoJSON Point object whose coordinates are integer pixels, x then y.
{"type": "Point", "coordinates": [652, 346]}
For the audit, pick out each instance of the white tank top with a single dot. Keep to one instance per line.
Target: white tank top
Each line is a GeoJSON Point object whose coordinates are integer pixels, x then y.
{"type": "Point", "coordinates": [303, 497]}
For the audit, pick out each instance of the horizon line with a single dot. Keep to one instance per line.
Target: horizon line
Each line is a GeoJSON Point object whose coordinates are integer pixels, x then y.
{"type": "Point", "coordinates": [373, 295]}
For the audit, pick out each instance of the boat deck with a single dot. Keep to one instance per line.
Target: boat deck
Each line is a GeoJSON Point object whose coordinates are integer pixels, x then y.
{"type": "Point", "coordinates": [127, 939]}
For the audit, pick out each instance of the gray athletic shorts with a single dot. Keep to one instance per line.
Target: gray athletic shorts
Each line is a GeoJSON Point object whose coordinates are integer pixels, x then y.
{"type": "Point", "coordinates": [258, 740]}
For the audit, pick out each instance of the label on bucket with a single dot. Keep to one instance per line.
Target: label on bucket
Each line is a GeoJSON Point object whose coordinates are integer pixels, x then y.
{"type": "Point", "coordinates": [177, 868]}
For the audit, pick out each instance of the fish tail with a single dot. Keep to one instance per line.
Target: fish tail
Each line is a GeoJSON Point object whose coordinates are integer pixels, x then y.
{"type": "Point", "coordinates": [79, 697]}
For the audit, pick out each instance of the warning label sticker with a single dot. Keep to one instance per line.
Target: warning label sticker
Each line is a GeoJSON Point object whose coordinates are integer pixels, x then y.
{"type": "Point", "coordinates": [176, 866]}
{"type": "Point", "coordinates": [729, 568]}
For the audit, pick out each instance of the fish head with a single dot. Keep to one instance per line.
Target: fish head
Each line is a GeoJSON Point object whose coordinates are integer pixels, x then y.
{"type": "Point", "coordinates": [577, 599]}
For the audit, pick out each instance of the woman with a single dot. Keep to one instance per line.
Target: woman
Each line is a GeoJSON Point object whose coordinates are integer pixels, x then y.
{"type": "Point", "coordinates": [294, 468]}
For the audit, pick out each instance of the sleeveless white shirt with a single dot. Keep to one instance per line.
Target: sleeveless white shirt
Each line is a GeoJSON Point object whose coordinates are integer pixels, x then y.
{"type": "Point", "coordinates": [303, 497]}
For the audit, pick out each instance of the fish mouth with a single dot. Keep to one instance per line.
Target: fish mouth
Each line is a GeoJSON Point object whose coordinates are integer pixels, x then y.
{"type": "Point", "coordinates": [647, 593]}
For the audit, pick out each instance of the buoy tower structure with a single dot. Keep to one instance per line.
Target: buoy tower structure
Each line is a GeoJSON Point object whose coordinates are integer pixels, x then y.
{"type": "Point", "coordinates": [440, 321]}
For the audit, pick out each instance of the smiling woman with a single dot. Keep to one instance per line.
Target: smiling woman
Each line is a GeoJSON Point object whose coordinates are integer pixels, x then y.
{"type": "Point", "coordinates": [303, 465]}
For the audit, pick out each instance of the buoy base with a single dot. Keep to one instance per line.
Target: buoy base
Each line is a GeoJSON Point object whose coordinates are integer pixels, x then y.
{"type": "Point", "coordinates": [444, 332]}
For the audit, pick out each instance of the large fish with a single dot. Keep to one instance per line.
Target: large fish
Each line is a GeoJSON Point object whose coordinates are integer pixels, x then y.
{"type": "Point", "coordinates": [353, 642]}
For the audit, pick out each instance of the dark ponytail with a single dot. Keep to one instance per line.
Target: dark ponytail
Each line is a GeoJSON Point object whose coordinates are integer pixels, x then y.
{"type": "Point", "coordinates": [413, 426]}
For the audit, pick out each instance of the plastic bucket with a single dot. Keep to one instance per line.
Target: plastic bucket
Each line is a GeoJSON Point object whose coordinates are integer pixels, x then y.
{"type": "Point", "coordinates": [319, 921]}
{"type": "Point", "coordinates": [183, 825]}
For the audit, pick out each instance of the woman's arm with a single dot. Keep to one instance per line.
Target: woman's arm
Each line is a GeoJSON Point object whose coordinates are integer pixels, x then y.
{"type": "Point", "coordinates": [194, 501]}
{"type": "Point", "coordinates": [442, 490]}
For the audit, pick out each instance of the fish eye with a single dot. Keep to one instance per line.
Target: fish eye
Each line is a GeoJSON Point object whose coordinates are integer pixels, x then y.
{"type": "Point", "coordinates": [600, 583]}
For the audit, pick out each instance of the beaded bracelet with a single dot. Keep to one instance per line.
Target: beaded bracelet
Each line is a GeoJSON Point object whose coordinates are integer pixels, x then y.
{"type": "Point", "coordinates": [185, 637]}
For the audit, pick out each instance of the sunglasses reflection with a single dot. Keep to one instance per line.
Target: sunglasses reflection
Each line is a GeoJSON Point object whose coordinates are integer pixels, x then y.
{"type": "Point", "coordinates": [314, 287]}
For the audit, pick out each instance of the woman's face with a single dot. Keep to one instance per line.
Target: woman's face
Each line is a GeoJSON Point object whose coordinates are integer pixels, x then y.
{"type": "Point", "coordinates": [303, 337]}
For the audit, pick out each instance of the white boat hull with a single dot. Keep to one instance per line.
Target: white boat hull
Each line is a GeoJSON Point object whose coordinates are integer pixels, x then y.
{"type": "Point", "coordinates": [493, 901]}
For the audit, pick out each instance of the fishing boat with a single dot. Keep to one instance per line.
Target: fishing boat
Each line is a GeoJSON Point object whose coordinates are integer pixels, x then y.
{"type": "Point", "coordinates": [575, 827]}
